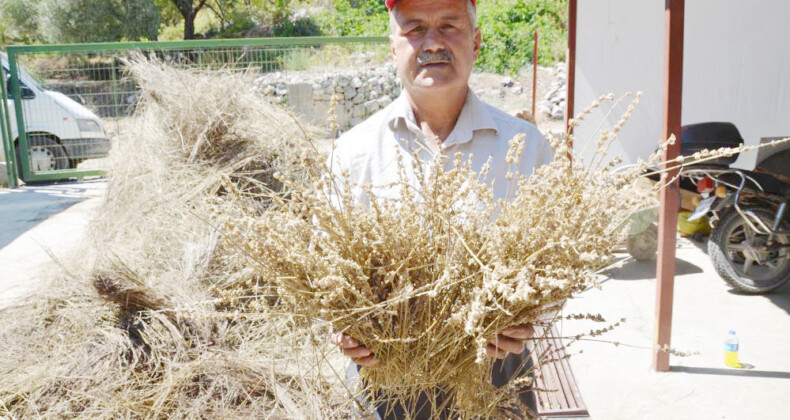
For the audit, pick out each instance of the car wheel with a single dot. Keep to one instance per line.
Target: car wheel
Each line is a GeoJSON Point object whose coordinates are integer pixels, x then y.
{"type": "Point", "coordinates": [45, 154]}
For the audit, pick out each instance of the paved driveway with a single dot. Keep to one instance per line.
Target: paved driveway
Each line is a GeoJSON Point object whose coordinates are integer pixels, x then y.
{"type": "Point", "coordinates": [616, 382]}
{"type": "Point", "coordinates": [39, 224]}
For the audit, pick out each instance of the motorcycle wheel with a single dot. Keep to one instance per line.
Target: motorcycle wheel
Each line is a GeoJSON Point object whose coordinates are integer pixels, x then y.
{"type": "Point", "coordinates": [741, 256]}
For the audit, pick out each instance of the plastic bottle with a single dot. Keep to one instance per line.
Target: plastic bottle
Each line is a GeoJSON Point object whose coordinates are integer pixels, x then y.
{"type": "Point", "coordinates": [731, 350]}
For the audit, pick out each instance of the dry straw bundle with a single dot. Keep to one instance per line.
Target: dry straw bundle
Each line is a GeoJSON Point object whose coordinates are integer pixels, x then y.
{"type": "Point", "coordinates": [426, 279]}
{"type": "Point", "coordinates": [136, 329]}
{"type": "Point", "coordinates": [216, 198]}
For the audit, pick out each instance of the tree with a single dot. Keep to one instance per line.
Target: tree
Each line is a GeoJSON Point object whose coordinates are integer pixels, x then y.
{"type": "Point", "coordinates": [189, 9]}
{"type": "Point", "coordinates": [141, 19]}
{"type": "Point", "coordinates": [224, 10]}
{"type": "Point", "coordinates": [357, 18]}
{"type": "Point", "coordinates": [19, 20]}
{"type": "Point", "coordinates": [97, 20]}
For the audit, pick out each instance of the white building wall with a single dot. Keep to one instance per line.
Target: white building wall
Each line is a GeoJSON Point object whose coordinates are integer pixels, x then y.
{"type": "Point", "coordinates": [737, 68]}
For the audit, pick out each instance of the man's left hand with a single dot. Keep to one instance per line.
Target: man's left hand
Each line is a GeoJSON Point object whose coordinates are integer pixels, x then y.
{"type": "Point", "coordinates": [511, 340]}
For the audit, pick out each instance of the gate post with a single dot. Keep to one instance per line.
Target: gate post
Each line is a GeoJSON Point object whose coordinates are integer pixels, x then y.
{"type": "Point", "coordinates": [668, 216]}
{"type": "Point", "coordinates": [5, 132]}
{"type": "Point", "coordinates": [16, 90]}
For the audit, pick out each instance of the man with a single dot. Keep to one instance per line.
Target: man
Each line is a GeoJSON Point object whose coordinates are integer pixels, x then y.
{"type": "Point", "coordinates": [434, 44]}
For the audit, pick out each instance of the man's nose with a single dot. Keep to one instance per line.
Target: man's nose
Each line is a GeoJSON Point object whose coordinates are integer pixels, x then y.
{"type": "Point", "coordinates": [433, 41]}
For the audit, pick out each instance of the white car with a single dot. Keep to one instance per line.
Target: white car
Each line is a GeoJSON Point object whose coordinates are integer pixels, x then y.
{"type": "Point", "coordinates": [61, 133]}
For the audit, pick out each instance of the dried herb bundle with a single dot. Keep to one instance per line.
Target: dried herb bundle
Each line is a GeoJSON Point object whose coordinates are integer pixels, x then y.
{"type": "Point", "coordinates": [425, 279]}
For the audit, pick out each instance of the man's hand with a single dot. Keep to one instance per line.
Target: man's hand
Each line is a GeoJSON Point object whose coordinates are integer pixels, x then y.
{"type": "Point", "coordinates": [509, 341]}
{"type": "Point", "coordinates": [359, 354]}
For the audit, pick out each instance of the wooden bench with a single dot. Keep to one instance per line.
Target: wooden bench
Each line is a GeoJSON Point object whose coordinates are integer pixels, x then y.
{"type": "Point", "coordinates": [556, 394]}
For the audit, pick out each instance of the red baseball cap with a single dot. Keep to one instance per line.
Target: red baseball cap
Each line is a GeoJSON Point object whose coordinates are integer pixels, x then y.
{"type": "Point", "coordinates": [391, 3]}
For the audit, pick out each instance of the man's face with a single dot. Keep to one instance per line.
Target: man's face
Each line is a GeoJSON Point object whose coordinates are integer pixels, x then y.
{"type": "Point", "coordinates": [433, 44]}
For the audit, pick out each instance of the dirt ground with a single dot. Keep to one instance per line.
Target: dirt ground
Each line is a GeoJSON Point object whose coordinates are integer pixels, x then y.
{"type": "Point", "coordinates": [489, 88]}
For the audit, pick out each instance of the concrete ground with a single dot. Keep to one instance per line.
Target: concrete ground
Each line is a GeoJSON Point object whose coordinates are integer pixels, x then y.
{"type": "Point", "coordinates": [39, 225]}
{"type": "Point", "coordinates": [616, 382]}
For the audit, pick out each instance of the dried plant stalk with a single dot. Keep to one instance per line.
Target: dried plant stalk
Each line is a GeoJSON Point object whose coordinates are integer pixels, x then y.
{"type": "Point", "coordinates": [426, 279]}
{"type": "Point", "coordinates": [136, 329]}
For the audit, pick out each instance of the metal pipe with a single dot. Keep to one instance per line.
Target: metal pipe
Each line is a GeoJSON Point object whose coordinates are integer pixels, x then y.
{"type": "Point", "coordinates": [206, 43]}
{"type": "Point", "coordinates": [16, 90]}
{"type": "Point", "coordinates": [763, 228]}
{"type": "Point", "coordinates": [746, 215]}
{"type": "Point", "coordinates": [535, 78]}
{"type": "Point", "coordinates": [5, 131]}
{"type": "Point", "coordinates": [780, 214]}
{"type": "Point", "coordinates": [573, 9]}
{"type": "Point", "coordinates": [670, 195]}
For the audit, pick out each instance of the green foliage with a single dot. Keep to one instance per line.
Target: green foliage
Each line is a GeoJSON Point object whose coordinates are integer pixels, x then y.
{"type": "Point", "coordinates": [508, 27]}
{"type": "Point", "coordinates": [295, 60]}
{"type": "Point", "coordinates": [174, 32]}
{"type": "Point", "coordinates": [272, 20]}
{"type": "Point", "coordinates": [19, 20]}
{"type": "Point", "coordinates": [224, 10]}
{"type": "Point", "coordinates": [239, 24]}
{"type": "Point", "coordinates": [356, 18]}
{"type": "Point", "coordinates": [66, 21]}
{"type": "Point", "coordinates": [296, 27]}
{"type": "Point", "coordinates": [140, 19]}
{"type": "Point", "coordinates": [168, 13]}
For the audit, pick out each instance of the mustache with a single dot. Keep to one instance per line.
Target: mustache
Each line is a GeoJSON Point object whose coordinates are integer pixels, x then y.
{"type": "Point", "coordinates": [437, 57]}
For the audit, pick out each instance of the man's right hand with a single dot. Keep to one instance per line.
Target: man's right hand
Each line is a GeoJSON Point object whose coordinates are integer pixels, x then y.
{"type": "Point", "coordinates": [359, 354]}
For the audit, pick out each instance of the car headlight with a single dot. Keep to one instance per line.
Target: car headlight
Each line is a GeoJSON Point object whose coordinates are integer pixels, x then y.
{"type": "Point", "coordinates": [89, 126]}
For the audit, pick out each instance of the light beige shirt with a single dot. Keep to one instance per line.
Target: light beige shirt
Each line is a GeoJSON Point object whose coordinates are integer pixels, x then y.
{"type": "Point", "coordinates": [369, 151]}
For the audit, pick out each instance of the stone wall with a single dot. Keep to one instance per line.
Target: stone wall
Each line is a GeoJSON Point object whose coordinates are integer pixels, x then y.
{"type": "Point", "coordinates": [553, 104]}
{"type": "Point", "coordinates": [359, 94]}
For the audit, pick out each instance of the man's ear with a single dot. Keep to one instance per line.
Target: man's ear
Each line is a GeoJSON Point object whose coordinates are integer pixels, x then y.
{"type": "Point", "coordinates": [392, 47]}
{"type": "Point", "coordinates": [477, 41]}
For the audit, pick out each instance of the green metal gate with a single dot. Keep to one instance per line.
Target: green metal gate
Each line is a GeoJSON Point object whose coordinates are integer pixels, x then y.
{"type": "Point", "coordinates": [64, 104]}
{"type": "Point", "coordinates": [5, 131]}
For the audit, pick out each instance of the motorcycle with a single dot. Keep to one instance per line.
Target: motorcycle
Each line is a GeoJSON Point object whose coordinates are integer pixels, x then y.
{"type": "Point", "coordinates": [750, 240]}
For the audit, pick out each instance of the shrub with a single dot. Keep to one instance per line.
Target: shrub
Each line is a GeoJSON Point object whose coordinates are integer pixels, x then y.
{"type": "Point", "coordinates": [356, 18]}
{"type": "Point", "coordinates": [296, 26]}
{"type": "Point", "coordinates": [19, 20]}
{"type": "Point", "coordinates": [508, 27]}
{"type": "Point", "coordinates": [97, 20]}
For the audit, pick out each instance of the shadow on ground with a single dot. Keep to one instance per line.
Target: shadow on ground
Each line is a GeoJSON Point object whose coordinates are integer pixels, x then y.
{"type": "Point", "coordinates": [646, 270]}
{"type": "Point", "coordinates": [780, 297]}
{"type": "Point", "coordinates": [731, 372]}
{"type": "Point", "coordinates": [24, 208]}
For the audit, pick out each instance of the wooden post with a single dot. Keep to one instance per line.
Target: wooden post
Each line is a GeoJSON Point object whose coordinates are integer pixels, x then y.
{"type": "Point", "coordinates": [670, 195]}
{"type": "Point", "coordinates": [535, 78]}
{"type": "Point", "coordinates": [573, 8]}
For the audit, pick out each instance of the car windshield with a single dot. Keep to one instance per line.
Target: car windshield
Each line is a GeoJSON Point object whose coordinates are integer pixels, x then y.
{"type": "Point", "coordinates": [27, 78]}
{"type": "Point", "coordinates": [31, 79]}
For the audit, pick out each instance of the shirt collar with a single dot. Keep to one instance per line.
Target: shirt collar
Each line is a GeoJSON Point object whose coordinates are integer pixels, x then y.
{"type": "Point", "coordinates": [474, 116]}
